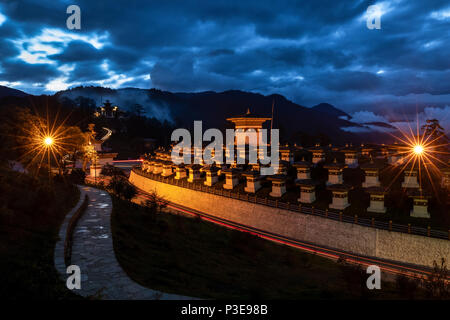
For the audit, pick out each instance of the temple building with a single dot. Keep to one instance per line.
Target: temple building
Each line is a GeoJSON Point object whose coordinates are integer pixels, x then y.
{"type": "Point", "coordinates": [99, 156]}
{"type": "Point", "coordinates": [282, 167]}
{"type": "Point", "coordinates": [107, 110]}
{"type": "Point", "coordinates": [351, 156]}
{"type": "Point", "coordinates": [231, 178]}
{"type": "Point", "coordinates": [244, 123]}
{"type": "Point", "coordinates": [384, 152]}
{"type": "Point", "coordinates": [371, 174]}
{"type": "Point", "coordinates": [445, 180]}
{"type": "Point", "coordinates": [157, 166]}
{"type": "Point", "coordinates": [374, 160]}
{"type": "Point", "coordinates": [307, 190]}
{"type": "Point", "coordinates": [396, 154]}
{"type": "Point", "coordinates": [180, 171]}
{"type": "Point", "coordinates": [194, 172]}
{"type": "Point", "coordinates": [335, 172]}
{"type": "Point", "coordinates": [167, 168]}
{"type": "Point", "coordinates": [395, 159]}
{"type": "Point", "coordinates": [287, 154]}
{"type": "Point", "coordinates": [410, 177]}
{"type": "Point", "coordinates": [303, 169]}
{"type": "Point", "coordinates": [340, 196]}
{"type": "Point", "coordinates": [318, 154]}
{"type": "Point", "coordinates": [376, 199]}
{"type": "Point", "coordinates": [253, 181]}
{"type": "Point", "coordinates": [420, 203]}
{"type": "Point", "coordinates": [367, 151]}
{"type": "Point", "coordinates": [211, 175]}
{"type": "Point", "coordinates": [278, 185]}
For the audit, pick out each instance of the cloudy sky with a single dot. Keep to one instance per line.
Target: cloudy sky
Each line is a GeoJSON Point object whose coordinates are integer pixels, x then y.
{"type": "Point", "coordinates": [309, 51]}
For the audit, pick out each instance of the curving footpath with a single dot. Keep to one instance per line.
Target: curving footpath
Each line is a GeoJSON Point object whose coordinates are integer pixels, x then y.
{"type": "Point", "coordinates": [93, 252]}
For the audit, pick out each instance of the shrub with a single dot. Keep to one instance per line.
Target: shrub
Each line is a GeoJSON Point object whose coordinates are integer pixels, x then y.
{"type": "Point", "coordinates": [31, 211]}
{"type": "Point", "coordinates": [435, 284]}
{"type": "Point", "coordinates": [355, 278]}
{"type": "Point", "coordinates": [155, 202]}
{"type": "Point", "coordinates": [77, 176]}
{"type": "Point", "coordinates": [406, 287]}
{"type": "Point", "coordinates": [129, 191]}
{"type": "Point", "coordinates": [122, 188]}
{"type": "Point", "coordinates": [111, 171]}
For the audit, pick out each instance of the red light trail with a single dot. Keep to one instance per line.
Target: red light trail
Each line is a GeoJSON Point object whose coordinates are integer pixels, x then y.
{"type": "Point", "coordinates": [390, 267]}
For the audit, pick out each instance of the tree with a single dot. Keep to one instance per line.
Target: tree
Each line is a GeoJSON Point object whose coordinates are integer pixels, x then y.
{"type": "Point", "coordinates": [73, 143]}
{"type": "Point", "coordinates": [436, 284]}
{"type": "Point", "coordinates": [156, 202]}
{"type": "Point", "coordinates": [22, 133]}
{"type": "Point", "coordinates": [87, 105]}
{"type": "Point", "coordinates": [89, 154]}
{"type": "Point", "coordinates": [354, 276]}
{"type": "Point", "coordinates": [11, 133]}
{"type": "Point", "coordinates": [111, 171]}
{"type": "Point", "coordinates": [77, 176]}
{"type": "Point", "coordinates": [138, 110]}
{"type": "Point", "coordinates": [129, 191]}
{"type": "Point", "coordinates": [117, 186]}
{"type": "Point", "coordinates": [434, 133]}
{"type": "Point", "coordinates": [122, 188]}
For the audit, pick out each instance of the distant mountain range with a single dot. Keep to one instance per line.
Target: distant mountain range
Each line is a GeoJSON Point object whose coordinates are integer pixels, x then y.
{"type": "Point", "coordinates": [214, 107]}
{"type": "Point", "coordinates": [327, 108]}
{"type": "Point", "coordinates": [10, 92]}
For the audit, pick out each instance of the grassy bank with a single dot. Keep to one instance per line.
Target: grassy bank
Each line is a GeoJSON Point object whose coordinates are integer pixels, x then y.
{"type": "Point", "coordinates": [178, 254]}
{"type": "Point", "coordinates": [31, 212]}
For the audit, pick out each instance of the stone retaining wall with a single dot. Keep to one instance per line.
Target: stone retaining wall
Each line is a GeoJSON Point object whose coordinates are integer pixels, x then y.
{"type": "Point", "coordinates": [354, 238]}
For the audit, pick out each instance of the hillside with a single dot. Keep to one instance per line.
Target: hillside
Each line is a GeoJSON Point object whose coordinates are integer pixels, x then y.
{"type": "Point", "coordinates": [182, 109]}
{"type": "Point", "coordinates": [331, 110]}
{"type": "Point", "coordinates": [10, 92]}
{"type": "Point", "coordinates": [214, 107]}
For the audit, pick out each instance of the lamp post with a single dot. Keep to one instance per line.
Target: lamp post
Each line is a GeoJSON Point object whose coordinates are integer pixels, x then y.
{"type": "Point", "coordinates": [48, 142]}
{"type": "Point", "coordinates": [95, 169]}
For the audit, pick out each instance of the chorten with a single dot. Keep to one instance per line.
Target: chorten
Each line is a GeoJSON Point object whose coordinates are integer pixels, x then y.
{"type": "Point", "coordinates": [245, 124]}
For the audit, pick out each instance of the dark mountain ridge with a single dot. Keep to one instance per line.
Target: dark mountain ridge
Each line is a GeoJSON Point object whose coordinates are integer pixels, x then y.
{"type": "Point", "coordinates": [213, 108]}
{"type": "Point", "coordinates": [331, 110]}
{"type": "Point", "coordinates": [10, 92]}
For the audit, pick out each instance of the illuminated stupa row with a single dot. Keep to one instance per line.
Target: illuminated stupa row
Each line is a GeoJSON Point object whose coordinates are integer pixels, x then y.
{"type": "Point", "coordinates": [162, 164]}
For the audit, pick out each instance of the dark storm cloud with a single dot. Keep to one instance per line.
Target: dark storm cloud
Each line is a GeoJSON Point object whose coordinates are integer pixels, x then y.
{"type": "Point", "coordinates": [180, 75]}
{"type": "Point", "coordinates": [17, 71]}
{"type": "Point", "coordinates": [351, 80]}
{"type": "Point", "coordinates": [7, 49]}
{"type": "Point", "coordinates": [87, 72]}
{"type": "Point", "coordinates": [309, 51]}
{"type": "Point", "coordinates": [220, 52]}
{"type": "Point", "coordinates": [434, 83]}
{"type": "Point", "coordinates": [257, 59]}
{"type": "Point", "coordinates": [78, 51]}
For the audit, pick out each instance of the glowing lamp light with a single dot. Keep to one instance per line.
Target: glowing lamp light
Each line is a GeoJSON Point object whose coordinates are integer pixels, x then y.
{"type": "Point", "coordinates": [418, 149]}
{"type": "Point", "coordinates": [48, 141]}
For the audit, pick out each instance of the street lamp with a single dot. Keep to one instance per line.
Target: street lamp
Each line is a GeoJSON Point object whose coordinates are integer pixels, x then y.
{"type": "Point", "coordinates": [48, 141]}
{"type": "Point", "coordinates": [418, 149]}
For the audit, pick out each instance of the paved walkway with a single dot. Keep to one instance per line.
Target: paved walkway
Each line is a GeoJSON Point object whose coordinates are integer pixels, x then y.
{"type": "Point", "coordinates": [93, 252]}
